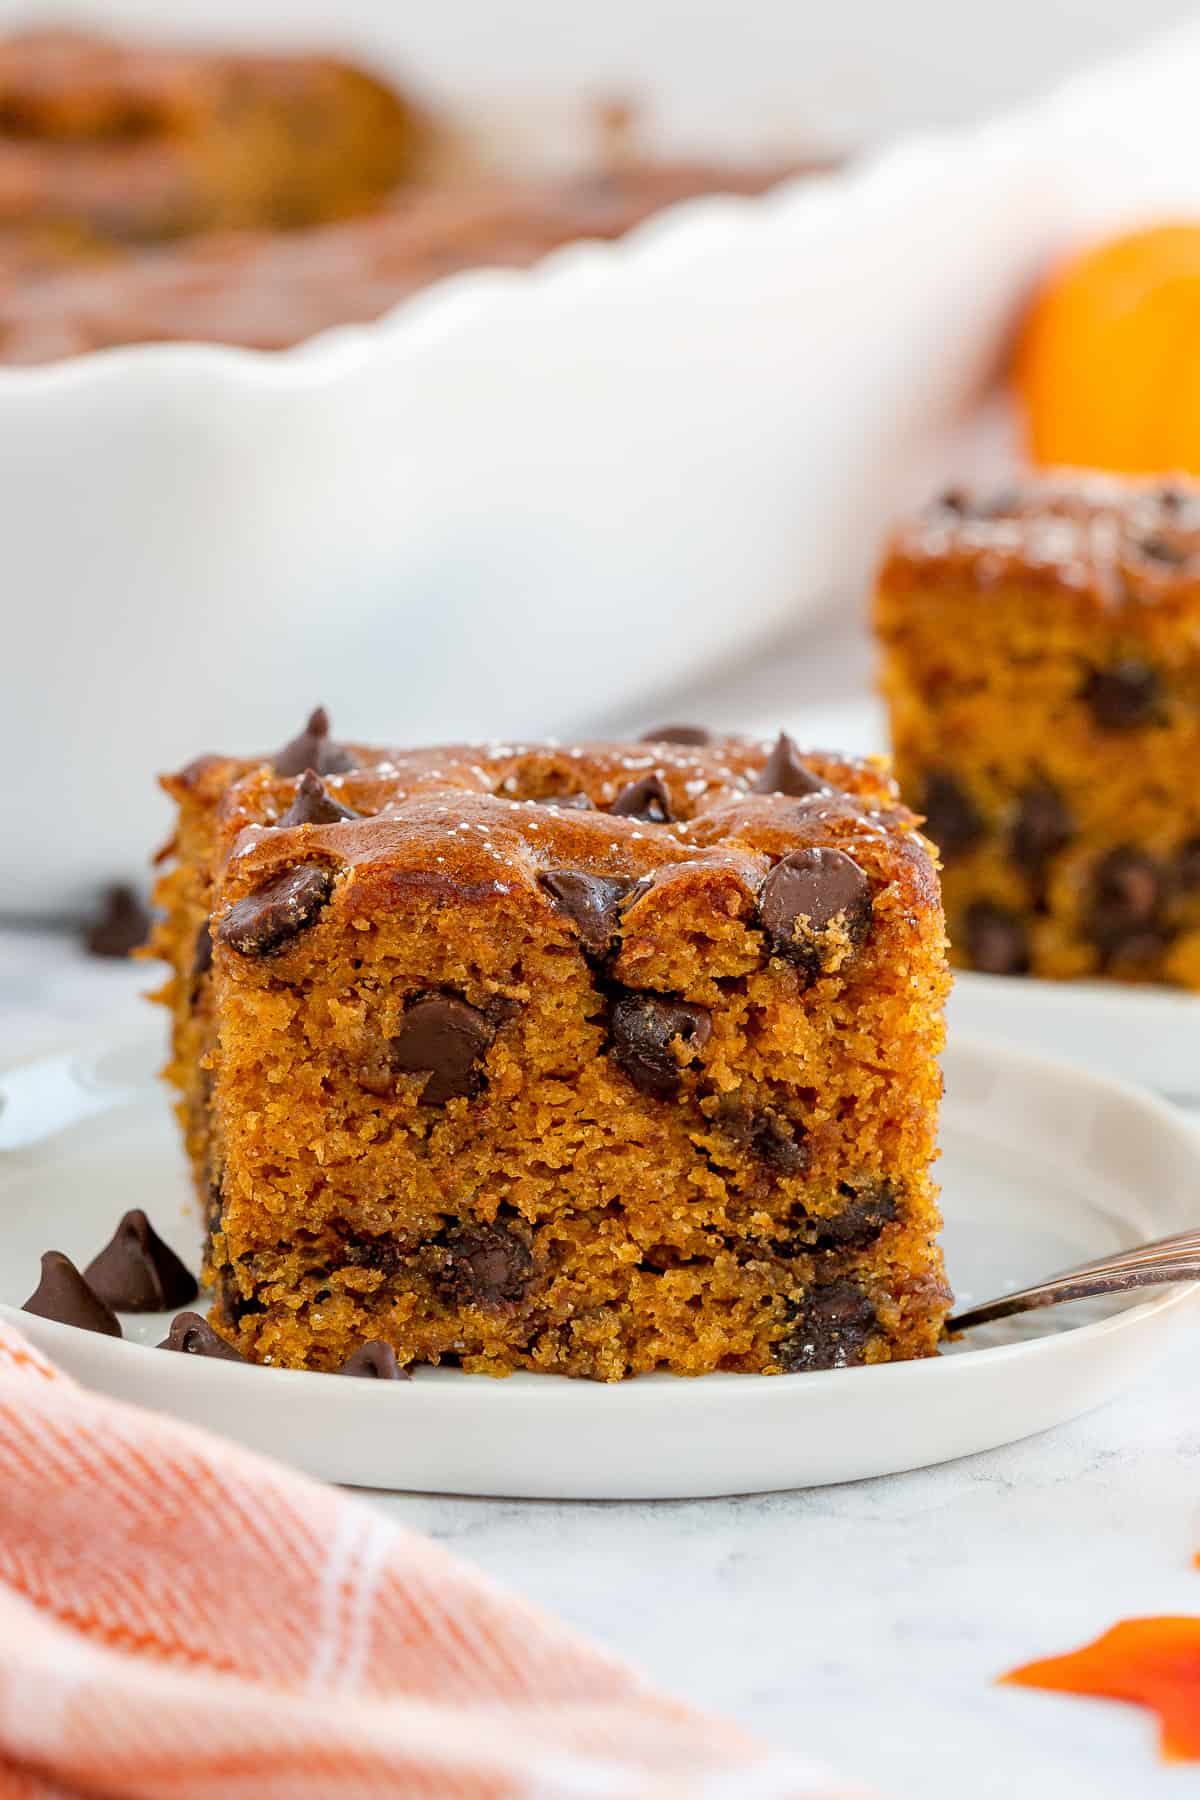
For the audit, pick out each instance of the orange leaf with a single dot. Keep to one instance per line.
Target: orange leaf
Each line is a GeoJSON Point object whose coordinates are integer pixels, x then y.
{"type": "Point", "coordinates": [1149, 1662]}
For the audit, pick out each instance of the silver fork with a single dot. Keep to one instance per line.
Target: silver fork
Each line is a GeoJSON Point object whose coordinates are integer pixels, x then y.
{"type": "Point", "coordinates": [1145, 1265]}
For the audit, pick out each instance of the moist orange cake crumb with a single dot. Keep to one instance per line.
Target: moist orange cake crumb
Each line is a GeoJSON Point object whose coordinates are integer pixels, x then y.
{"type": "Point", "coordinates": [589, 1060]}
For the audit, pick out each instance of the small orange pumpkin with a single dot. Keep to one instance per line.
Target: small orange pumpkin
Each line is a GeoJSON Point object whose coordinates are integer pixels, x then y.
{"type": "Point", "coordinates": [1108, 361]}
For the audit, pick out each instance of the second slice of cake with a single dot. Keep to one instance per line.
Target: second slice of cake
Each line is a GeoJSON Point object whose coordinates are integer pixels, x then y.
{"type": "Point", "coordinates": [1042, 669]}
{"type": "Point", "coordinates": [591, 1061]}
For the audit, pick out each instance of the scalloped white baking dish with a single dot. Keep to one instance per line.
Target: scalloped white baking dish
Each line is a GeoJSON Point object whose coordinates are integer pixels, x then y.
{"type": "Point", "coordinates": [523, 500]}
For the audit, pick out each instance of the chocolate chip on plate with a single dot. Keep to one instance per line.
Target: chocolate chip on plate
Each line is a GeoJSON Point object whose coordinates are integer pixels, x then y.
{"type": "Point", "coordinates": [268, 918]}
{"type": "Point", "coordinates": [677, 734]}
{"type": "Point", "coordinates": [832, 1326]}
{"type": "Point", "coordinates": [137, 1272]}
{"type": "Point", "coordinates": [1126, 695]}
{"type": "Point", "coordinates": [951, 818]}
{"type": "Point", "coordinates": [486, 1265]}
{"type": "Point", "coordinates": [643, 1027]}
{"type": "Point", "coordinates": [805, 895]}
{"type": "Point", "coordinates": [63, 1294]}
{"type": "Point", "coordinates": [376, 1360]}
{"type": "Point", "coordinates": [997, 942]}
{"type": "Point", "coordinates": [646, 799]}
{"type": "Point", "coordinates": [591, 902]}
{"type": "Point", "coordinates": [784, 772]}
{"type": "Point", "coordinates": [1041, 828]}
{"type": "Point", "coordinates": [121, 926]}
{"type": "Point", "coordinates": [443, 1037]}
{"type": "Point", "coordinates": [194, 1336]}
{"type": "Point", "coordinates": [314, 749]}
{"type": "Point", "coordinates": [315, 805]}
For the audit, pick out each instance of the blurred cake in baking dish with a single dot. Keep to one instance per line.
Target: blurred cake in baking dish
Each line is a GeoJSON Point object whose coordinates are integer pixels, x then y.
{"type": "Point", "coordinates": [104, 141]}
{"type": "Point", "coordinates": [269, 290]}
{"type": "Point", "coordinates": [157, 195]}
{"type": "Point", "coordinates": [589, 1060]}
{"type": "Point", "coordinates": [1041, 664]}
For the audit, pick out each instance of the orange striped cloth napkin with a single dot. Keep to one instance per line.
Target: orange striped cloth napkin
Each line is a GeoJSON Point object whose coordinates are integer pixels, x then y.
{"type": "Point", "coordinates": [180, 1618]}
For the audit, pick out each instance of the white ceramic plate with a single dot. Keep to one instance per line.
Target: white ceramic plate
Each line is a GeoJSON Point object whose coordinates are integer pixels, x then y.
{"type": "Point", "coordinates": [1144, 1034]}
{"type": "Point", "coordinates": [1043, 1166]}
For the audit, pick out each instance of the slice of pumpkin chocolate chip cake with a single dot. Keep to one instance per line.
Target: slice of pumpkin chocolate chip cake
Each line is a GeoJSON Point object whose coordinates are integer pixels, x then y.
{"type": "Point", "coordinates": [591, 1060]}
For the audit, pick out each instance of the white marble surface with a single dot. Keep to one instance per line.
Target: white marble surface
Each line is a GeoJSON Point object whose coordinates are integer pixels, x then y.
{"type": "Point", "coordinates": [865, 1624]}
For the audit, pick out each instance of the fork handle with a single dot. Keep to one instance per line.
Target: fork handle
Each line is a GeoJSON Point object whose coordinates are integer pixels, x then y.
{"type": "Point", "coordinates": [1082, 1285]}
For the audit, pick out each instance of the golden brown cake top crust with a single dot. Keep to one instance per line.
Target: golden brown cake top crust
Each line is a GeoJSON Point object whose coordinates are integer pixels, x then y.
{"type": "Point", "coordinates": [526, 770]}
{"type": "Point", "coordinates": [500, 818]}
{"type": "Point", "coordinates": [1109, 542]}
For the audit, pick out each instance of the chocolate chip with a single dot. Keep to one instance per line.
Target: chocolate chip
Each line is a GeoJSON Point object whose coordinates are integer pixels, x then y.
{"type": "Point", "coordinates": [1125, 696]}
{"type": "Point", "coordinates": [677, 734]}
{"type": "Point", "coordinates": [64, 1295]}
{"type": "Point", "coordinates": [831, 1328]}
{"type": "Point", "coordinates": [137, 1272]}
{"type": "Point", "coordinates": [870, 1205]}
{"type": "Point", "coordinates": [951, 818]}
{"type": "Point", "coordinates": [591, 902]}
{"type": "Point", "coordinates": [377, 1360]}
{"type": "Point", "coordinates": [287, 905]}
{"type": "Point", "coordinates": [953, 500]}
{"type": "Point", "coordinates": [1041, 828]}
{"type": "Point", "coordinates": [194, 1336]}
{"type": "Point", "coordinates": [642, 1029]}
{"type": "Point", "coordinates": [784, 773]}
{"type": "Point", "coordinates": [315, 805]}
{"type": "Point", "coordinates": [1128, 890]}
{"type": "Point", "coordinates": [387, 1254]}
{"type": "Point", "coordinates": [121, 926]}
{"type": "Point", "coordinates": [484, 1265]}
{"type": "Point", "coordinates": [236, 1306]}
{"type": "Point", "coordinates": [202, 952]}
{"type": "Point", "coordinates": [803, 899]}
{"type": "Point", "coordinates": [777, 1141]}
{"type": "Point", "coordinates": [1141, 946]}
{"type": "Point", "coordinates": [997, 942]}
{"type": "Point", "coordinates": [1188, 866]}
{"type": "Point", "coordinates": [314, 749]}
{"type": "Point", "coordinates": [646, 799]}
{"type": "Point", "coordinates": [443, 1037]}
